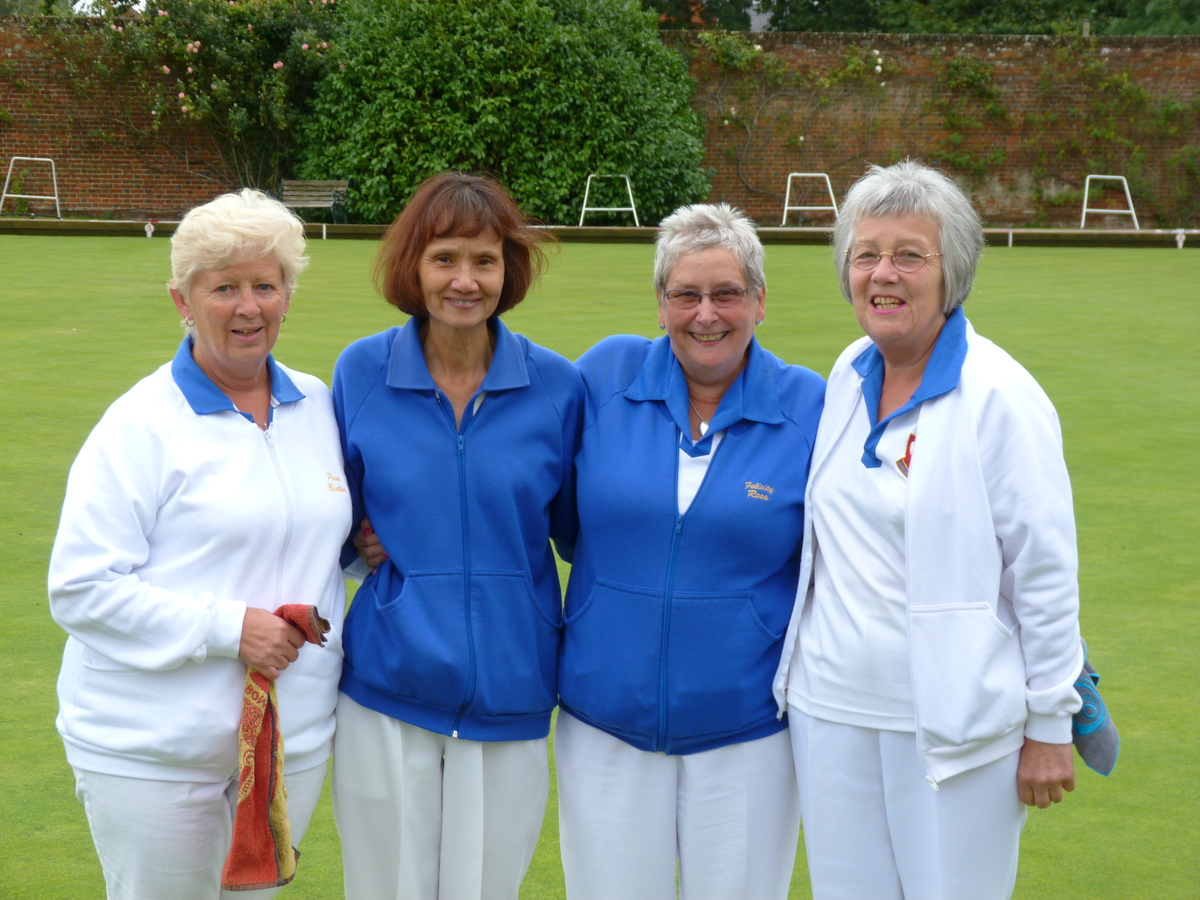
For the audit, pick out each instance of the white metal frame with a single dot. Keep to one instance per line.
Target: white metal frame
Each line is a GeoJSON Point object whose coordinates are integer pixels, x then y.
{"type": "Point", "coordinates": [1087, 185]}
{"type": "Point", "coordinates": [787, 207]}
{"type": "Point", "coordinates": [587, 190]}
{"type": "Point", "coordinates": [4, 195]}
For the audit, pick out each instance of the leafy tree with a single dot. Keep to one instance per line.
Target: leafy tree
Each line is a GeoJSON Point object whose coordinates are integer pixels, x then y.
{"type": "Point", "coordinates": [1157, 17]}
{"type": "Point", "coordinates": [731, 15]}
{"type": "Point", "coordinates": [944, 16]}
{"type": "Point", "coordinates": [539, 93]}
{"type": "Point", "coordinates": [821, 15]}
{"type": "Point", "coordinates": [35, 8]}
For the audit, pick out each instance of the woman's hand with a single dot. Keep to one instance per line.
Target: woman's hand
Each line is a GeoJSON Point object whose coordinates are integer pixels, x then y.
{"type": "Point", "coordinates": [1044, 771]}
{"type": "Point", "coordinates": [269, 644]}
{"type": "Point", "coordinates": [368, 546]}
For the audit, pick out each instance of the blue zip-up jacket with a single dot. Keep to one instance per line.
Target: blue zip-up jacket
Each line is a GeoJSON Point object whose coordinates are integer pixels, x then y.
{"type": "Point", "coordinates": [457, 632]}
{"type": "Point", "coordinates": [674, 623]}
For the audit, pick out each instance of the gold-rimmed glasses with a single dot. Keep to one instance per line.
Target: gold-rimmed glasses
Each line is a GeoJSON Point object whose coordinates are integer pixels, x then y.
{"type": "Point", "coordinates": [907, 260]}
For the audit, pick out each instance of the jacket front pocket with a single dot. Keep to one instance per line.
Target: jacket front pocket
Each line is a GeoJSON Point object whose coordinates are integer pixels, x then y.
{"type": "Point", "coordinates": [721, 659]}
{"type": "Point", "coordinates": [516, 646]}
{"type": "Point", "coordinates": [415, 644]}
{"type": "Point", "coordinates": [611, 658]}
{"type": "Point", "coordinates": [968, 674]}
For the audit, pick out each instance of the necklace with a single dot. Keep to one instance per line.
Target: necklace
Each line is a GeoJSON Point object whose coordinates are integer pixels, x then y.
{"type": "Point", "coordinates": [703, 426]}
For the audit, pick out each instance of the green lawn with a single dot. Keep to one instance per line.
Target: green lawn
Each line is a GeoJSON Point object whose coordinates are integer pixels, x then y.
{"type": "Point", "coordinates": [1110, 334]}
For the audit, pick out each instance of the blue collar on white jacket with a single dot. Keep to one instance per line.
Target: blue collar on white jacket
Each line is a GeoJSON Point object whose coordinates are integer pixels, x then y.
{"type": "Point", "coordinates": [204, 397]}
{"type": "Point", "coordinates": [753, 395]}
{"type": "Point", "coordinates": [941, 376]}
{"type": "Point", "coordinates": [407, 368]}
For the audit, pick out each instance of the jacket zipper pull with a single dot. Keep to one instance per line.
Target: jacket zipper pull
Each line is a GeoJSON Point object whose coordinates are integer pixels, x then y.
{"type": "Point", "coordinates": [932, 783]}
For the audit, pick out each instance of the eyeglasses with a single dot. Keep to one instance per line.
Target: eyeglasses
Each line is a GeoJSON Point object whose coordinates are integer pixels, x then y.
{"type": "Point", "coordinates": [907, 261]}
{"type": "Point", "coordinates": [722, 298]}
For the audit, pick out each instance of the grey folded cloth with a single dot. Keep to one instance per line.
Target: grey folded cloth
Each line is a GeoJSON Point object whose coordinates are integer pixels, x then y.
{"type": "Point", "coordinates": [1092, 728]}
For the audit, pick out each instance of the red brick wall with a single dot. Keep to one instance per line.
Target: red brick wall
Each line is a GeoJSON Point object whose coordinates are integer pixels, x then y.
{"type": "Point", "coordinates": [110, 165]}
{"type": "Point", "coordinates": [845, 135]}
{"type": "Point", "coordinates": [109, 162]}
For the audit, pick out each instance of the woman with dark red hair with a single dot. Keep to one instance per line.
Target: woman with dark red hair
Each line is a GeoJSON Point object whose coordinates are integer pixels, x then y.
{"type": "Point", "coordinates": [459, 438]}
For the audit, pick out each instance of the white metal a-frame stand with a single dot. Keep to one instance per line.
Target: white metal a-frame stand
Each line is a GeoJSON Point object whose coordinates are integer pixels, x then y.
{"type": "Point", "coordinates": [587, 190]}
{"type": "Point", "coordinates": [4, 195]}
{"type": "Point", "coordinates": [1128, 211]}
{"type": "Point", "coordinates": [787, 200]}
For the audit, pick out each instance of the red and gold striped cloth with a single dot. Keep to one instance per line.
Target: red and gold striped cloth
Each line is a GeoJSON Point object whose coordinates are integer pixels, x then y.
{"type": "Point", "coordinates": [261, 854]}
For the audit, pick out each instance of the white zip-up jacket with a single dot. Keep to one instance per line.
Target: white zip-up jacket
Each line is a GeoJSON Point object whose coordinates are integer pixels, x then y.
{"type": "Point", "coordinates": [179, 514]}
{"type": "Point", "coordinates": [990, 557]}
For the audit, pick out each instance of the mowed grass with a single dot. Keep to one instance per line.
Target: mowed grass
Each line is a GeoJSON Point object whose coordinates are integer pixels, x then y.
{"type": "Point", "coordinates": [1110, 334]}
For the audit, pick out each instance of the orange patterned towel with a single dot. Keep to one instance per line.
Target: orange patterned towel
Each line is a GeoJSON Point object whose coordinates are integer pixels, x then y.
{"type": "Point", "coordinates": [261, 855]}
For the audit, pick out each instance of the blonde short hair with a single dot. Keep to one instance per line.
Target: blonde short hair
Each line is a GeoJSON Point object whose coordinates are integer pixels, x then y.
{"type": "Point", "coordinates": [236, 228]}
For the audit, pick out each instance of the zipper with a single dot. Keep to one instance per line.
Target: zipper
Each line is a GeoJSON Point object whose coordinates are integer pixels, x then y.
{"type": "Point", "coordinates": [460, 442]}
{"type": "Point", "coordinates": [289, 511]}
{"type": "Point", "coordinates": [661, 745]}
{"type": "Point", "coordinates": [912, 680]}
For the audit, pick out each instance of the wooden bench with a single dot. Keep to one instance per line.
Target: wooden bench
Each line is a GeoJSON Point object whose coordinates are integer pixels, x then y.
{"type": "Point", "coordinates": [329, 195]}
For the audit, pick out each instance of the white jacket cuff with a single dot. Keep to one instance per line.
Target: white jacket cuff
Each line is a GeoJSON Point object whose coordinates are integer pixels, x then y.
{"type": "Point", "coordinates": [1052, 729]}
{"type": "Point", "coordinates": [225, 628]}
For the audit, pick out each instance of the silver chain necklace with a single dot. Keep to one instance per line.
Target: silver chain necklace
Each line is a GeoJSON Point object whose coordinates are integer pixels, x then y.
{"type": "Point", "coordinates": [703, 426]}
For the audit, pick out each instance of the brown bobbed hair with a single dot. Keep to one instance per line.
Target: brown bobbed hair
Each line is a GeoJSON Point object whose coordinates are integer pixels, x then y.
{"type": "Point", "coordinates": [455, 204]}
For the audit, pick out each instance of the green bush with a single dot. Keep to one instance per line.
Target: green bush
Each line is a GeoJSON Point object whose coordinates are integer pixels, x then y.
{"type": "Point", "coordinates": [538, 93]}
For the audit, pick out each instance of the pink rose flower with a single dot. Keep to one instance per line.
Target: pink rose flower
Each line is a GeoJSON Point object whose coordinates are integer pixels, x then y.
{"type": "Point", "coordinates": [278, 65]}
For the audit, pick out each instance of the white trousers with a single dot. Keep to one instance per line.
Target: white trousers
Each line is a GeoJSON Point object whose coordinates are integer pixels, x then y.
{"type": "Point", "coordinates": [423, 816]}
{"type": "Point", "coordinates": [875, 828]}
{"type": "Point", "coordinates": [167, 840]}
{"type": "Point", "coordinates": [730, 817]}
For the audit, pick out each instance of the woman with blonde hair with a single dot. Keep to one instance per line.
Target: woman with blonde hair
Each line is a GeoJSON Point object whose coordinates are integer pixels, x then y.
{"type": "Point", "coordinates": [207, 497]}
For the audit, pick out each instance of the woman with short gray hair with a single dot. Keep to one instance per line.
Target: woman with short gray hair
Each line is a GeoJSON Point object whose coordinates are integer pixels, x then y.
{"type": "Point", "coordinates": [208, 497]}
{"type": "Point", "coordinates": [690, 485]}
{"type": "Point", "coordinates": [929, 667]}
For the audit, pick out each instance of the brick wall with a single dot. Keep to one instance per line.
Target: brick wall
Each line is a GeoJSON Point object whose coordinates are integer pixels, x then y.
{"type": "Point", "coordinates": [1043, 136]}
{"type": "Point", "coordinates": [111, 165]}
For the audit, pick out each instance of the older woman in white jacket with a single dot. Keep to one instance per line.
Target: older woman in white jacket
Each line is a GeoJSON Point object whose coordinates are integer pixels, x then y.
{"type": "Point", "coordinates": [929, 666]}
{"type": "Point", "coordinates": [206, 497]}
